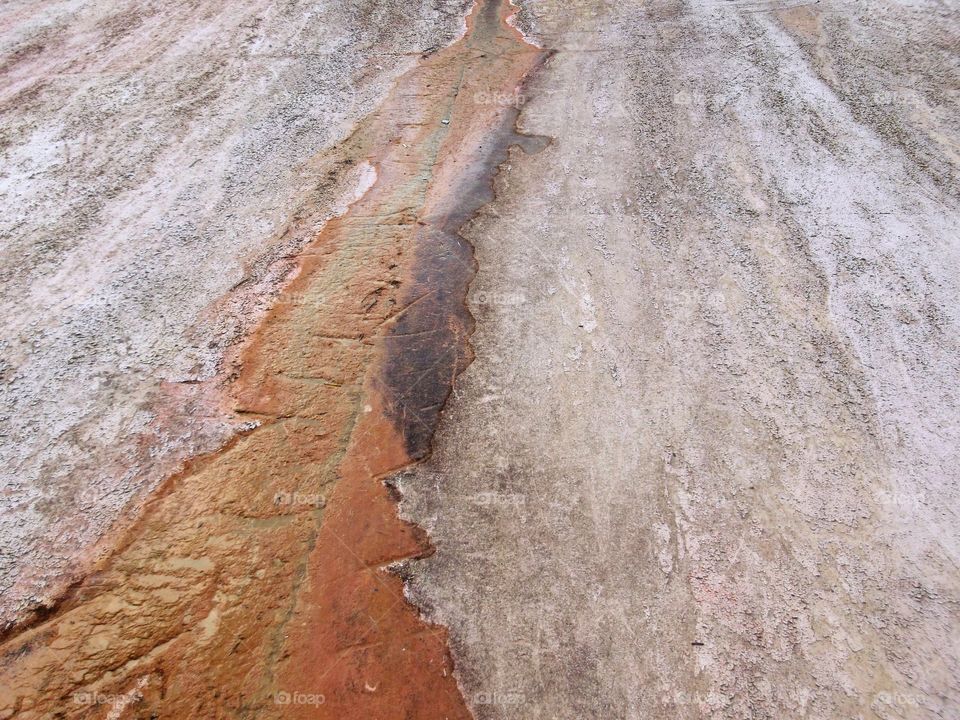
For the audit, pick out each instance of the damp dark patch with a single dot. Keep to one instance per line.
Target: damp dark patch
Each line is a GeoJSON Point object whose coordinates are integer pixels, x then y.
{"type": "Point", "coordinates": [428, 345]}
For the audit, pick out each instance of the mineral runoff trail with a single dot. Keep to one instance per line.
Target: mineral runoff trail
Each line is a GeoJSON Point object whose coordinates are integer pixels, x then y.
{"type": "Point", "coordinates": [259, 582]}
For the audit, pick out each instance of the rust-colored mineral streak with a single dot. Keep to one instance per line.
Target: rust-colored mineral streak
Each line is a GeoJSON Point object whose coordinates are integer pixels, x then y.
{"type": "Point", "coordinates": [255, 583]}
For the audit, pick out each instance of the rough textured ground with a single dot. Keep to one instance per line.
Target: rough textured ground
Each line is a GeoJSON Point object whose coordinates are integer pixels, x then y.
{"type": "Point", "coordinates": [161, 162]}
{"type": "Point", "coordinates": [703, 463]}
{"type": "Point", "coordinates": [262, 581]}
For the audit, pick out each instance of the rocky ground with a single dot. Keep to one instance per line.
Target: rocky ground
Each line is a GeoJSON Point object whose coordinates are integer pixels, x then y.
{"type": "Point", "coordinates": [162, 165]}
{"type": "Point", "coordinates": [676, 284]}
{"type": "Point", "coordinates": [704, 463]}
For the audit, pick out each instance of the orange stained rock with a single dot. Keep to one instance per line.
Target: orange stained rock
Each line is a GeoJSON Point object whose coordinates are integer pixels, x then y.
{"type": "Point", "coordinates": [256, 583]}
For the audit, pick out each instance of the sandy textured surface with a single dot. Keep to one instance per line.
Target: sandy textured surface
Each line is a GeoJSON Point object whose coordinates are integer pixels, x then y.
{"type": "Point", "coordinates": [705, 461]}
{"type": "Point", "coordinates": [678, 281]}
{"type": "Point", "coordinates": [160, 165]}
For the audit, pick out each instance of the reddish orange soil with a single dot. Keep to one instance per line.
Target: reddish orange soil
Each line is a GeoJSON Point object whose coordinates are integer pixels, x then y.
{"type": "Point", "coordinates": [255, 583]}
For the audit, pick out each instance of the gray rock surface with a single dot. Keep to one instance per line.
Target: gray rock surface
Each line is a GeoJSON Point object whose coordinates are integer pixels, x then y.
{"type": "Point", "coordinates": [705, 462]}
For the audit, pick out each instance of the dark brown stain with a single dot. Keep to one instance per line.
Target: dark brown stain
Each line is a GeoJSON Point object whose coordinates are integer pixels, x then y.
{"type": "Point", "coordinates": [428, 345]}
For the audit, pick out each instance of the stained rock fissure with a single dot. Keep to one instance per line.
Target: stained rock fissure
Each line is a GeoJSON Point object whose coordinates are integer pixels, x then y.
{"type": "Point", "coordinates": [254, 584]}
